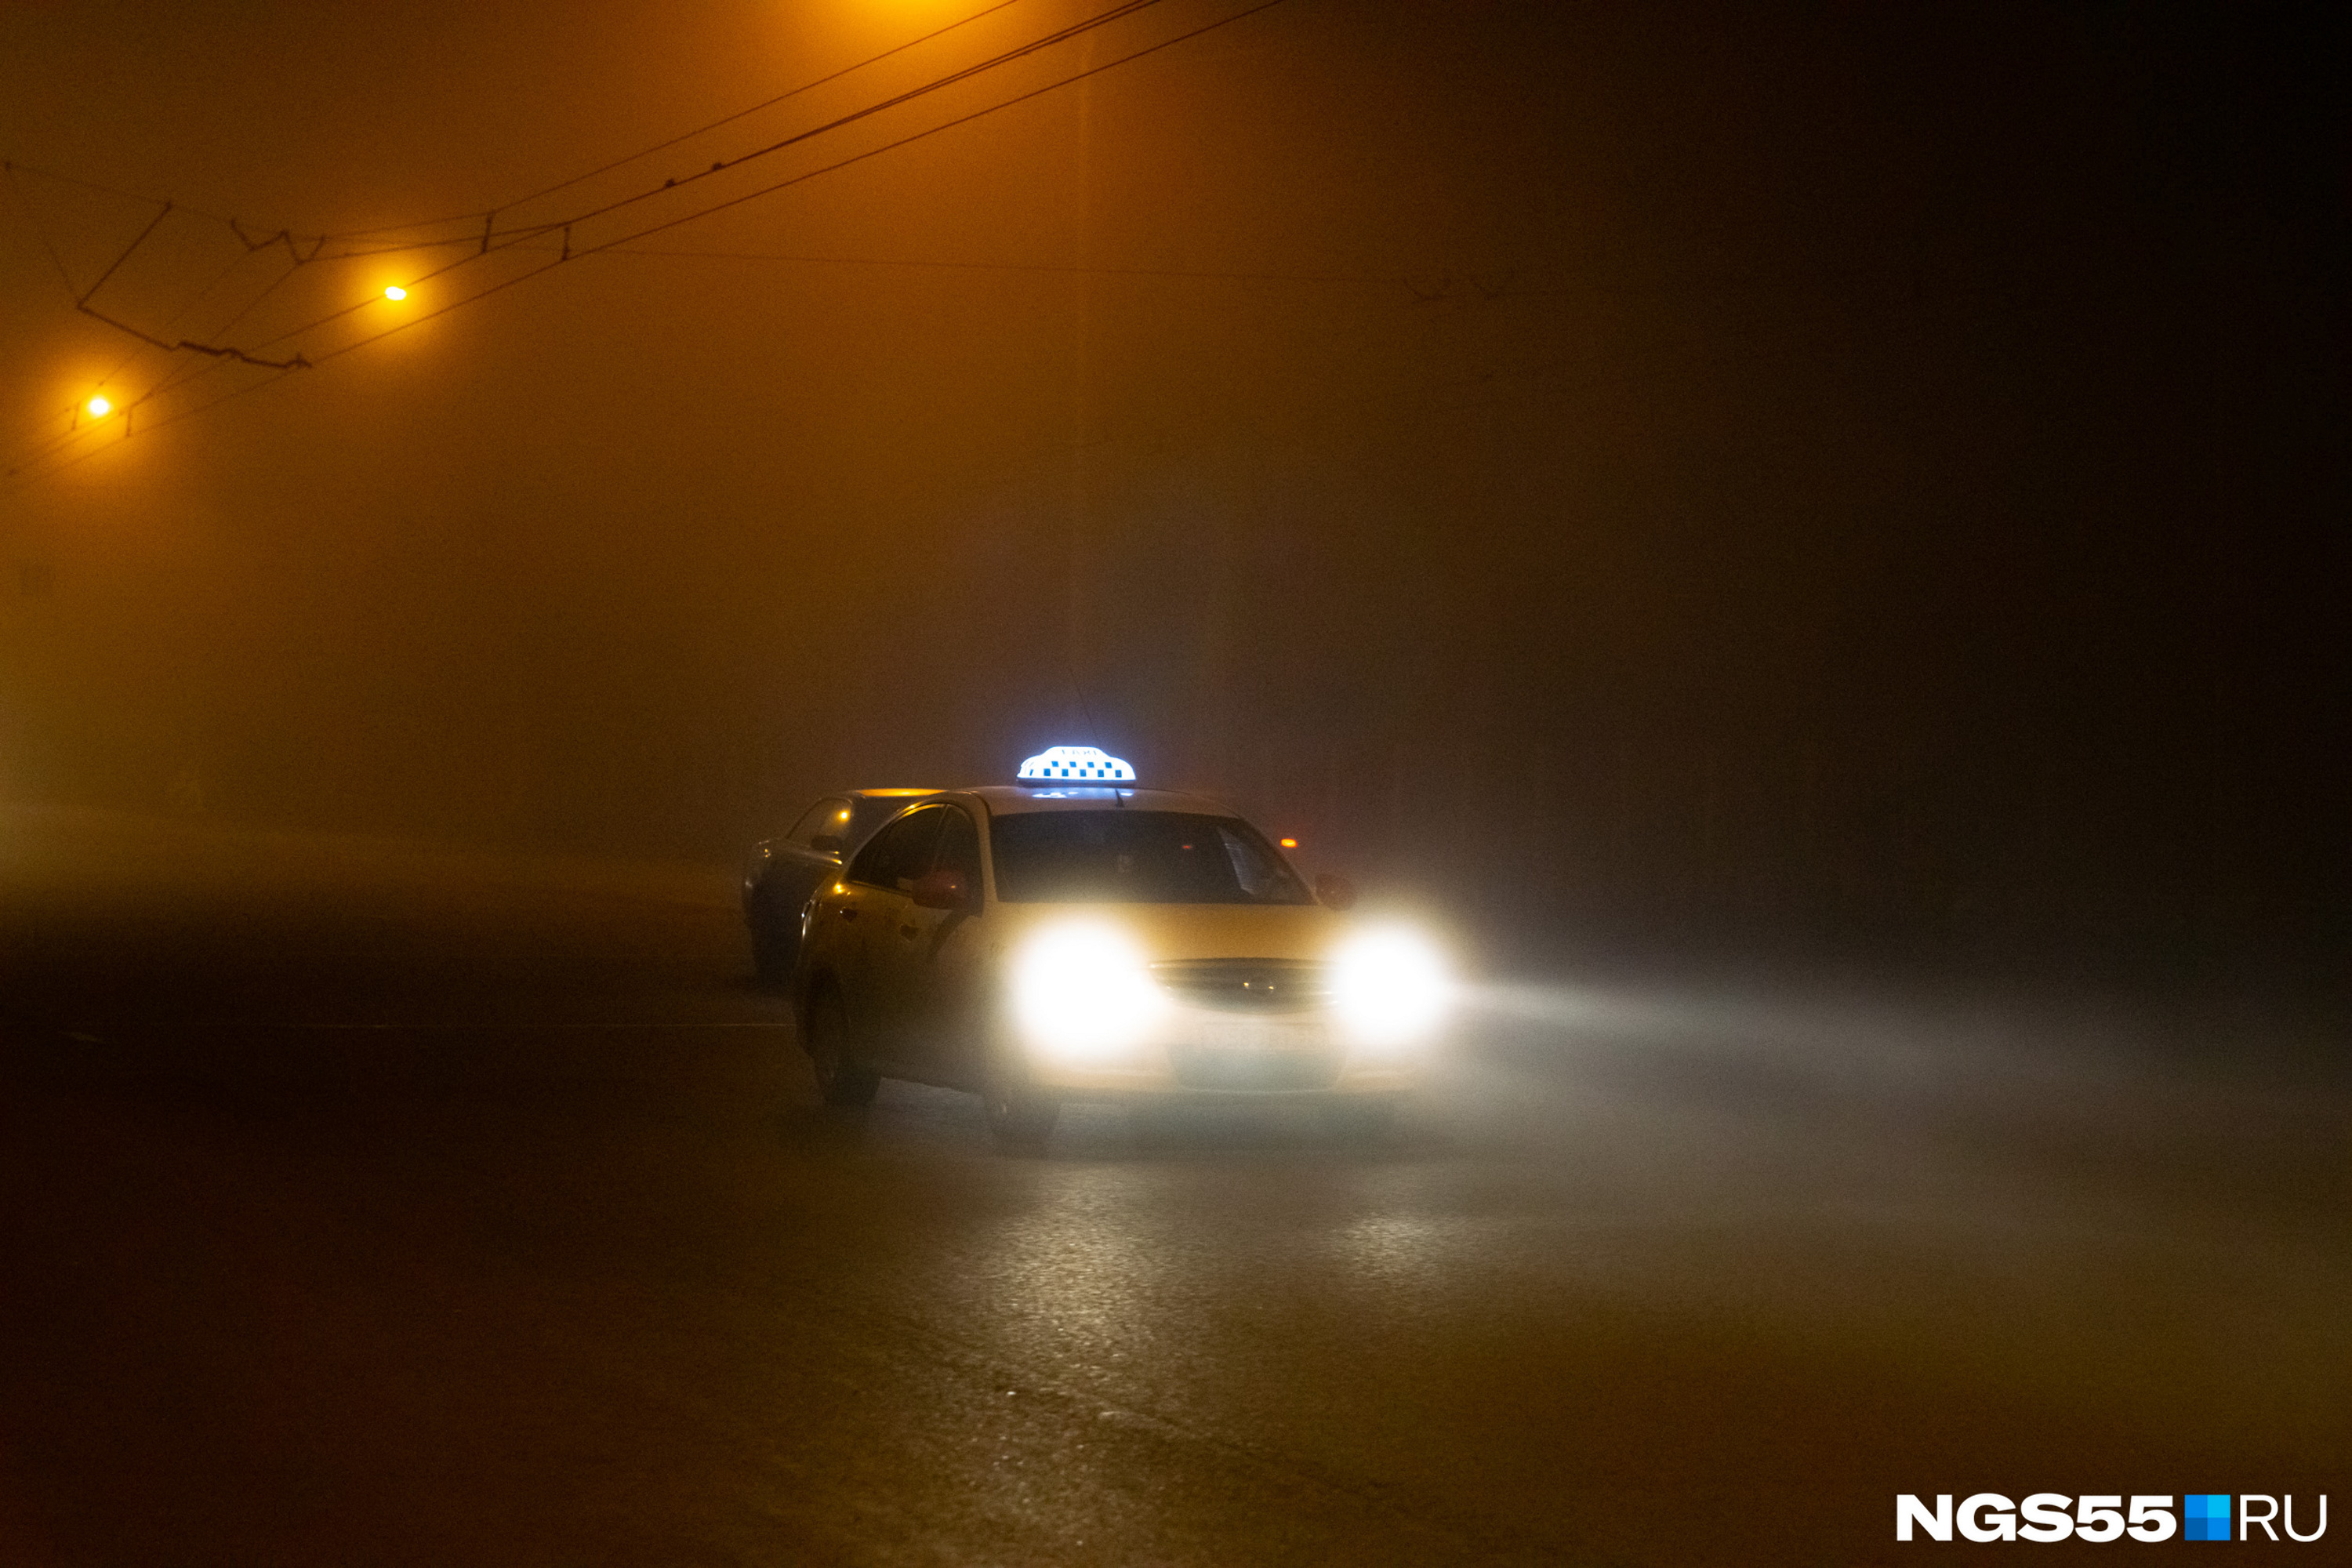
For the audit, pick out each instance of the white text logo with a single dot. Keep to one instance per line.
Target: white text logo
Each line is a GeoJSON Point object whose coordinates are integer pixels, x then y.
{"type": "Point", "coordinates": [2103, 1516]}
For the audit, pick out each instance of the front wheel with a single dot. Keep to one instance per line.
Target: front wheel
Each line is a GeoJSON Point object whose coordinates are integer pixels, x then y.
{"type": "Point", "coordinates": [840, 1077]}
{"type": "Point", "coordinates": [1019, 1118]}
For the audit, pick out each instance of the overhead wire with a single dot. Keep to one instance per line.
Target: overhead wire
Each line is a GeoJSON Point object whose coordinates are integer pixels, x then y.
{"type": "Point", "coordinates": [682, 137]}
{"type": "Point", "coordinates": [489, 237]}
{"type": "Point", "coordinates": [94, 450]}
{"type": "Point", "coordinates": [145, 346]}
{"type": "Point", "coordinates": [543, 230]}
{"type": "Point", "coordinates": [318, 243]}
{"type": "Point", "coordinates": [494, 244]}
{"type": "Point", "coordinates": [186, 371]}
{"type": "Point", "coordinates": [88, 184]}
{"type": "Point", "coordinates": [806, 175]}
{"type": "Point", "coordinates": [255, 303]}
{"type": "Point", "coordinates": [489, 240]}
{"type": "Point", "coordinates": [148, 343]}
{"type": "Point", "coordinates": [1063, 34]}
{"type": "Point", "coordinates": [177, 317]}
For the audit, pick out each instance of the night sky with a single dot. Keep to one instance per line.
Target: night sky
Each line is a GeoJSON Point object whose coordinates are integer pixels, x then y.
{"type": "Point", "coordinates": [1851, 473]}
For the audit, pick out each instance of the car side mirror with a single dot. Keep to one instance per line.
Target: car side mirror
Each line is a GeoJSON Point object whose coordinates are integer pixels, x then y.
{"type": "Point", "coordinates": [941, 889]}
{"type": "Point", "coordinates": [826, 843]}
{"type": "Point", "coordinates": [1334, 891]}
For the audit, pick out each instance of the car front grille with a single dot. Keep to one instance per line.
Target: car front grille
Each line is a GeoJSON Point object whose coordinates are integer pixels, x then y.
{"type": "Point", "coordinates": [1246, 985]}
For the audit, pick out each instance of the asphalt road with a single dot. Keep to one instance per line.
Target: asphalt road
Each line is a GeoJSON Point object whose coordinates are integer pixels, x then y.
{"type": "Point", "coordinates": [366, 1204]}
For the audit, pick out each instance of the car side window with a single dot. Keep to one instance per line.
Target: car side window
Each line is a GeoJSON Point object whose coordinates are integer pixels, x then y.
{"type": "Point", "coordinates": [830, 815]}
{"type": "Point", "coordinates": [900, 852]}
{"type": "Point", "coordinates": [1260, 875]}
{"type": "Point", "coordinates": [958, 848]}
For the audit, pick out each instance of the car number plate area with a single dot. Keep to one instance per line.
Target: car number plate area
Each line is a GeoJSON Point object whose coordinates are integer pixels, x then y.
{"type": "Point", "coordinates": [1254, 1054]}
{"type": "Point", "coordinates": [1258, 1036]}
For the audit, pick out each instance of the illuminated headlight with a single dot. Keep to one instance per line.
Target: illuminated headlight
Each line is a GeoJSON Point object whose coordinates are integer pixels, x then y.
{"type": "Point", "coordinates": [1389, 987]}
{"type": "Point", "coordinates": [1084, 993]}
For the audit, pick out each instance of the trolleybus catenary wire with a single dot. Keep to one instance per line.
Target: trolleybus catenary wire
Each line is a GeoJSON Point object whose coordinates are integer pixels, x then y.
{"type": "Point", "coordinates": [18, 475]}
{"type": "Point", "coordinates": [491, 239]}
{"type": "Point", "coordinates": [485, 242]}
{"type": "Point", "coordinates": [291, 237]}
{"type": "Point", "coordinates": [683, 136]}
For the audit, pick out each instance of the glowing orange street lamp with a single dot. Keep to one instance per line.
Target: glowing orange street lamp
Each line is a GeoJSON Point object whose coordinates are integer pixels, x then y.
{"type": "Point", "coordinates": [394, 292]}
{"type": "Point", "coordinates": [98, 407]}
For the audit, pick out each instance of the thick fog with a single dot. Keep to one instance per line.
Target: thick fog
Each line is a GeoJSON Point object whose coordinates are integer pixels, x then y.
{"type": "Point", "coordinates": [1672, 472]}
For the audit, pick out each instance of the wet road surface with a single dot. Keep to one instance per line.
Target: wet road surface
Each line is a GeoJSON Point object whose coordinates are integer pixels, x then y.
{"type": "Point", "coordinates": [364, 1204]}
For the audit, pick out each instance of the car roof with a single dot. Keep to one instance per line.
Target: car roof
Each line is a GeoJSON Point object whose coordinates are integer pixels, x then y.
{"type": "Point", "coordinates": [1007, 800]}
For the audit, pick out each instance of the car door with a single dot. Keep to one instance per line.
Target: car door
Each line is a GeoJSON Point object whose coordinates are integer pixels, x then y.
{"type": "Point", "coordinates": [938, 954]}
{"type": "Point", "coordinates": [875, 906]}
{"type": "Point", "coordinates": [786, 870]}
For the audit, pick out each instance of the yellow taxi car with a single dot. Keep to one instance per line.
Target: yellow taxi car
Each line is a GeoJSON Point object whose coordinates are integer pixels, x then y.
{"type": "Point", "coordinates": [1072, 937]}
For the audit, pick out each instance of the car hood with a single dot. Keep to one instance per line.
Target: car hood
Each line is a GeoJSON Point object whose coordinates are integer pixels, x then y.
{"type": "Point", "coordinates": [1177, 931]}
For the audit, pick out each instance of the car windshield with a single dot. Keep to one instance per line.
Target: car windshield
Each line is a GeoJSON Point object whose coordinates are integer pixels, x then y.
{"type": "Point", "coordinates": [1136, 858]}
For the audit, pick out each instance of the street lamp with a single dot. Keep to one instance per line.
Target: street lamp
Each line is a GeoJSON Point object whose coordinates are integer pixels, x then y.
{"type": "Point", "coordinates": [394, 292]}
{"type": "Point", "coordinates": [98, 407]}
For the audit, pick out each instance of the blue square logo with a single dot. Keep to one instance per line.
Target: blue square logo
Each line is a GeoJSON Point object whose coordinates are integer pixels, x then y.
{"type": "Point", "coordinates": [2205, 1516]}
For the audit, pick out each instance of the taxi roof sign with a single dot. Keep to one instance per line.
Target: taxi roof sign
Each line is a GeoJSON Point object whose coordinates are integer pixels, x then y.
{"type": "Point", "coordinates": [1087, 762]}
